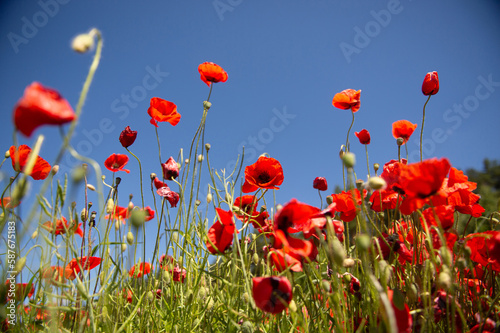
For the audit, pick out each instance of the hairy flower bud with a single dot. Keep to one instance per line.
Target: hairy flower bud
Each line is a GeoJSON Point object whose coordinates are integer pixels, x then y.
{"type": "Point", "coordinates": [82, 43]}
{"type": "Point", "coordinates": [130, 238]}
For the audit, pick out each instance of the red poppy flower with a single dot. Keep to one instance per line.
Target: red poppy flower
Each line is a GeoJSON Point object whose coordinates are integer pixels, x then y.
{"type": "Point", "coordinates": [430, 86]}
{"type": "Point", "coordinates": [443, 213]}
{"type": "Point", "coordinates": [266, 173]}
{"type": "Point", "coordinates": [170, 169]}
{"type": "Point", "coordinates": [61, 226]}
{"type": "Point", "coordinates": [363, 136]}
{"type": "Point", "coordinates": [465, 202]}
{"type": "Point", "coordinates": [247, 211]}
{"type": "Point", "coordinates": [171, 196]}
{"type": "Point", "coordinates": [21, 290]}
{"type": "Point", "coordinates": [116, 162]}
{"type": "Point", "coordinates": [403, 129]}
{"type": "Point", "coordinates": [41, 106]}
{"type": "Point", "coordinates": [211, 72]}
{"type": "Point", "coordinates": [347, 99]}
{"type": "Point", "coordinates": [298, 248]}
{"type": "Point", "coordinates": [178, 274]}
{"type": "Point", "coordinates": [127, 137]}
{"type": "Point", "coordinates": [220, 235]}
{"type": "Point", "coordinates": [391, 174]}
{"type": "Point", "coordinates": [87, 263]}
{"type": "Point", "coordinates": [404, 320]}
{"type": "Point", "coordinates": [19, 158]}
{"type": "Point", "coordinates": [282, 260]}
{"type": "Point", "coordinates": [320, 184]}
{"type": "Point", "coordinates": [120, 213]}
{"type": "Point", "coordinates": [344, 203]}
{"type": "Point", "coordinates": [150, 214]}
{"type": "Point", "coordinates": [390, 200]}
{"type": "Point", "coordinates": [480, 245]}
{"type": "Point", "coordinates": [272, 294]}
{"type": "Point", "coordinates": [7, 203]}
{"type": "Point", "coordinates": [294, 216]}
{"type": "Point", "coordinates": [421, 181]}
{"type": "Point", "coordinates": [55, 274]}
{"type": "Point", "coordinates": [494, 248]}
{"type": "Point", "coordinates": [161, 110]}
{"type": "Point", "coordinates": [143, 269]}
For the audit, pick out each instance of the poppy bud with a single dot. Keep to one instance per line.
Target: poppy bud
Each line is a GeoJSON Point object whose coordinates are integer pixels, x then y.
{"type": "Point", "coordinates": [377, 183]}
{"type": "Point", "coordinates": [127, 137]}
{"type": "Point", "coordinates": [137, 217]}
{"type": "Point", "coordinates": [54, 170]}
{"type": "Point", "coordinates": [376, 166]}
{"type": "Point", "coordinates": [348, 262]}
{"type": "Point", "coordinates": [209, 197]}
{"type": "Point", "coordinates": [170, 169]}
{"type": "Point", "coordinates": [110, 204]}
{"type": "Point", "coordinates": [175, 237]}
{"type": "Point", "coordinates": [200, 158]}
{"type": "Point", "coordinates": [82, 43]}
{"type": "Point", "coordinates": [255, 258]}
{"type": "Point", "coordinates": [320, 184]}
{"type": "Point", "coordinates": [124, 247]}
{"type": "Point", "coordinates": [7, 154]}
{"type": "Point", "coordinates": [20, 264]}
{"type": "Point", "coordinates": [360, 184]}
{"type": "Point", "coordinates": [430, 86]}
{"type": "Point", "coordinates": [363, 242]}
{"type": "Point", "coordinates": [35, 234]}
{"type": "Point", "coordinates": [207, 146]}
{"type": "Point", "coordinates": [349, 159]}
{"type": "Point", "coordinates": [444, 280]}
{"type": "Point", "coordinates": [130, 238]}
{"type": "Point", "coordinates": [207, 105]}
{"type": "Point", "coordinates": [363, 136]}
{"type": "Point", "coordinates": [117, 225]}
{"type": "Point", "coordinates": [152, 176]}
{"type": "Point", "coordinates": [329, 199]}
{"type": "Point", "coordinates": [84, 215]}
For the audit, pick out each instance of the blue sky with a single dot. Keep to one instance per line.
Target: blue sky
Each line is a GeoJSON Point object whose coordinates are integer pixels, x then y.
{"type": "Point", "coordinates": [285, 61]}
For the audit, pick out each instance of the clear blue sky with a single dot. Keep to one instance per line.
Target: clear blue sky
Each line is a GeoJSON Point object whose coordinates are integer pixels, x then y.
{"type": "Point", "coordinates": [283, 58]}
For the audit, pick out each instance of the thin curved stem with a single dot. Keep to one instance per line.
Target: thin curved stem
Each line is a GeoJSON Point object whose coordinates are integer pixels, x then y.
{"type": "Point", "coordinates": [422, 129]}
{"type": "Point", "coordinates": [348, 132]}
{"type": "Point", "coordinates": [140, 172]}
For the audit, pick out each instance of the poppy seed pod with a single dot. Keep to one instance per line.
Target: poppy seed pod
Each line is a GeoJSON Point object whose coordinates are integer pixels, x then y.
{"type": "Point", "coordinates": [207, 105]}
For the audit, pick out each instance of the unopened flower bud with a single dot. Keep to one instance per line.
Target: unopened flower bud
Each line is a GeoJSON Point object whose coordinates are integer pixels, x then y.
{"type": "Point", "coordinates": [200, 158]}
{"type": "Point", "coordinates": [91, 187]}
{"type": "Point", "coordinates": [348, 262]}
{"type": "Point", "coordinates": [20, 264]}
{"type": "Point", "coordinates": [207, 105]}
{"type": "Point", "coordinates": [124, 247]}
{"type": "Point", "coordinates": [137, 218]}
{"type": "Point", "coordinates": [337, 251]}
{"type": "Point", "coordinates": [110, 204]}
{"type": "Point", "coordinates": [329, 199]}
{"type": "Point", "coordinates": [175, 237]}
{"type": "Point", "coordinates": [117, 225]}
{"type": "Point", "coordinates": [341, 152]}
{"type": "Point", "coordinates": [444, 280]}
{"type": "Point", "coordinates": [292, 306]}
{"type": "Point", "coordinates": [349, 160]}
{"type": "Point", "coordinates": [207, 146]}
{"type": "Point", "coordinates": [7, 154]}
{"type": "Point", "coordinates": [376, 166]}
{"type": "Point", "coordinates": [197, 202]}
{"type": "Point", "coordinates": [54, 170]}
{"type": "Point", "coordinates": [209, 197]}
{"type": "Point", "coordinates": [130, 238]}
{"type": "Point", "coordinates": [82, 43]}
{"type": "Point", "coordinates": [255, 258]}
{"type": "Point", "coordinates": [35, 234]}
{"type": "Point", "coordinates": [377, 183]}
{"type": "Point", "coordinates": [150, 296]}
{"type": "Point", "coordinates": [363, 242]}
{"type": "Point", "coordinates": [360, 184]}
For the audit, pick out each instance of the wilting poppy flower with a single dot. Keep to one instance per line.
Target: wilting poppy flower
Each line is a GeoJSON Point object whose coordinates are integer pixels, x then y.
{"type": "Point", "coordinates": [266, 173]}
{"type": "Point", "coordinates": [431, 84]}
{"type": "Point", "coordinates": [363, 136]}
{"type": "Point", "coordinates": [143, 269]}
{"type": "Point", "coordinates": [320, 184]}
{"type": "Point", "coordinates": [127, 137]}
{"type": "Point", "coordinates": [41, 106]}
{"type": "Point", "coordinates": [170, 169]}
{"type": "Point", "coordinates": [61, 226]}
{"type": "Point", "coordinates": [347, 99]}
{"type": "Point", "coordinates": [161, 110]}
{"type": "Point", "coordinates": [158, 183]}
{"type": "Point", "coordinates": [87, 263]}
{"type": "Point", "coordinates": [272, 294]}
{"type": "Point", "coordinates": [211, 72]}
{"type": "Point", "coordinates": [116, 162]}
{"type": "Point", "coordinates": [403, 129]}
{"type": "Point", "coordinates": [19, 158]}
{"type": "Point", "coordinates": [220, 235]}
{"type": "Point", "coordinates": [171, 196]}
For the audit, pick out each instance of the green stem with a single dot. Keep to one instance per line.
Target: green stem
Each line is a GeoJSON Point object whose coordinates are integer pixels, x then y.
{"type": "Point", "coordinates": [140, 172]}
{"type": "Point", "coordinates": [422, 129]}
{"type": "Point", "coordinates": [367, 161]}
{"type": "Point", "coordinates": [349, 131]}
